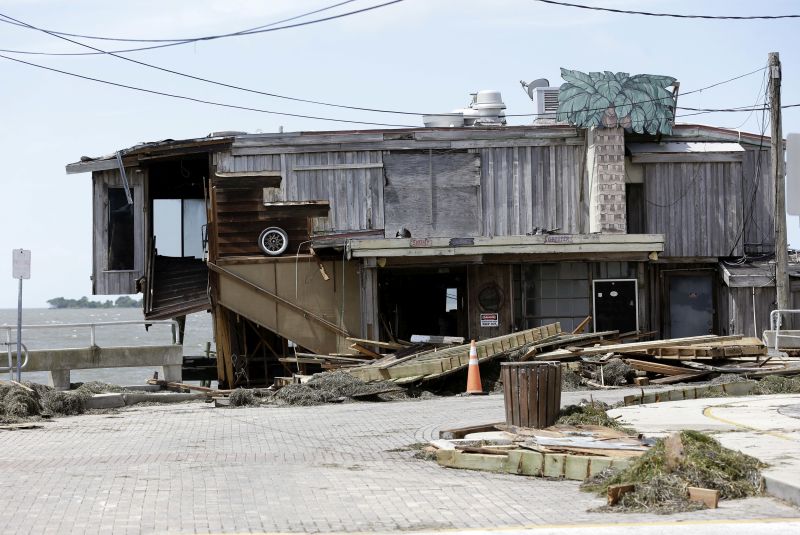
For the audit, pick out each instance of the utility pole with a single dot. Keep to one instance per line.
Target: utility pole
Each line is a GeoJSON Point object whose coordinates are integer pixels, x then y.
{"type": "Point", "coordinates": [779, 172]}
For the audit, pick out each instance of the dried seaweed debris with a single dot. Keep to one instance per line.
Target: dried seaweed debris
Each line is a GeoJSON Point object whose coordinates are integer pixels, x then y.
{"type": "Point", "coordinates": [661, 482]}
{"type": "Point", "coordinates": [329, 387]}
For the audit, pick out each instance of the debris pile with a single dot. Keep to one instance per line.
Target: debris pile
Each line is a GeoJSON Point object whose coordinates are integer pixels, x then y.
{"type": "Point", "coordinates": [243, 398]}
{"type": "Point", "coordinates": [19, 401]}
{"type": "Point", "coordinates": [775, 384]}
{"type": "Point", "coordinates": [660, 480]}
{"type": "Point", "coordinates": [589, 413]}
{"type": "Point", "coordinates": [332, 387]}
{"type": "Point", "coordinates": [592, 360]}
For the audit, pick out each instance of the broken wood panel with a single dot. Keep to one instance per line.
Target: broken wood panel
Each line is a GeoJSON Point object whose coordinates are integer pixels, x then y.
{"type": "Point", "coordinates": [432, 194]}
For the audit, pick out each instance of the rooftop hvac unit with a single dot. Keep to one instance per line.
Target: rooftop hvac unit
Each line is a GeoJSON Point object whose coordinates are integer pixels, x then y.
{"type": "Point", "coordinates": [546, 99]}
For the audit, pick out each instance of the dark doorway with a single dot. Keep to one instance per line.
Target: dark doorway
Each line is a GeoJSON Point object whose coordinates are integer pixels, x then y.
{"type": "Point", "coordinates": [423, 301]}
{"type": "Point", "coordinates": [615, 305]}
{"type": "Point", "coordinates": [691, 304]}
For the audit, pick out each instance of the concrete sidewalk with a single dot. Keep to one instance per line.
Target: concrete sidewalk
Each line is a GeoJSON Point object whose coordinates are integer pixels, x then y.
{"type": "Point", "coordinates": [765, 427]}
{"type": "Point", "coordinates": [191, 468]}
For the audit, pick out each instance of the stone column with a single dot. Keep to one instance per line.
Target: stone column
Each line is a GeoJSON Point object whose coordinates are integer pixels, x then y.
{"type": "Point", "coordinates": [605, 162]}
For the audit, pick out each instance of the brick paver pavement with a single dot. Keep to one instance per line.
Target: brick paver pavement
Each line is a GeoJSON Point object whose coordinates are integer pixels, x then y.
{"type": "Point", "coordinates": [195, 469]}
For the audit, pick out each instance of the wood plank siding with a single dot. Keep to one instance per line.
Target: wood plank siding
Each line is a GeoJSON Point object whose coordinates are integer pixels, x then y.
{"type": "Point", "coordinates": [698, 206]}
{"type": "Point", "coordinates": [352, 182]}
{"type": "Point", "coordinates": [526, 187]}
{"type": "Point", "coordinates": [759, 201]}
{"type": "Point", "coordinates": [104, 280]}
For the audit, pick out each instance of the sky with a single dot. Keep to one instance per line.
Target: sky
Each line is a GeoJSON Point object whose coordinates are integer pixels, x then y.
{"type": "Point", "coordinates": [416, 55]}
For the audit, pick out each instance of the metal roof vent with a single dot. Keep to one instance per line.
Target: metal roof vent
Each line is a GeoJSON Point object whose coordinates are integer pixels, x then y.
{"type": "Point", "coordinates": [485, 109]}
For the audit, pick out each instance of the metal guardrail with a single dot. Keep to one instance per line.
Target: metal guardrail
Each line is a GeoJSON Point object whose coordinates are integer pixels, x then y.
{"type": "Point", "coordinates": [776, 322]}
{"type": "Point", "coordinates": [10, 369]}
{"type": "Point", "coordinates": [92, 334]}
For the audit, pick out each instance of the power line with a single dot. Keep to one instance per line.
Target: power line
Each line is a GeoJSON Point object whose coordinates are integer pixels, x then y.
{"type": "Point", "coordinates": [199, 100]}
{"type": "Point", "coordinates": [672, 15]}
{"type": "Point", "coordinates": [11, 20]}
{"type": "Point", "coordinates": [6, 18]}
{"type": "Point", "coordinates": [184, 40]}
{"type": "Point", "coordinates": [210, 37]}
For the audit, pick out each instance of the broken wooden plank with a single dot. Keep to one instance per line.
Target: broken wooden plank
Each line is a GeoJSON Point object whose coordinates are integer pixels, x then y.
{"type": "Point", "coordinates": [364, 351]}
{"type": "Point", "coordinates": [582, 325]}
{"type": "Point", "coordinates": [376, 343]}
{"type": "Point", "coordinates": [672, 379]}
{"type": "Point", "coordinates": [635, 347]}
{"type": "Point", "coordinates": [616, 492]}
{"type": "Point", "coordinates": [709, 497]}
{"type": "Point", "coordinates": [657, 367]}
{"type": "Point", "coordinates": [440, 340]}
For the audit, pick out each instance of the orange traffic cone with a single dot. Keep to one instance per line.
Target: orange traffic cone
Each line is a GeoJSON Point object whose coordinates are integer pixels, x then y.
{"type": "Point", "coordinates": [474, 373]}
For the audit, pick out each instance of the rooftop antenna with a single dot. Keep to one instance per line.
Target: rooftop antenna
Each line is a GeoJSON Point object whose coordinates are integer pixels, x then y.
{"type": "Point", "coordinates": [530, 88]}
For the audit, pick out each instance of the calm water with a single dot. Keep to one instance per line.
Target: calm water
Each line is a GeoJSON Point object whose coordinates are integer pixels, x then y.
{"type": "Point", "coordinates": [198, 333]}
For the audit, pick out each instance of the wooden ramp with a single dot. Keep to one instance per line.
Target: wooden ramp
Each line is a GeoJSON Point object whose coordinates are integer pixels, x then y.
{"type": "Point", "coordinates": [439, 363]}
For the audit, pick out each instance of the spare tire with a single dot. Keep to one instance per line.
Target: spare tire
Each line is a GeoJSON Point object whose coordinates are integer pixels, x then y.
{"type": "Point", "coordinates": [273, 241]}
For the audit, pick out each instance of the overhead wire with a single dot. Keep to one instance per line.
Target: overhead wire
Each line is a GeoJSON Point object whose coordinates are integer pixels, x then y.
{"type": "Point", "coordinates": [198, 100]}
{"type": "Point", "coordinates": [184, 40]}
{"type": "Point", "coordinates": [11, 20]}
{"type": "Point", "coordinates": [212, 37]}
{"type": "Point", "coordinates": [671, 15]}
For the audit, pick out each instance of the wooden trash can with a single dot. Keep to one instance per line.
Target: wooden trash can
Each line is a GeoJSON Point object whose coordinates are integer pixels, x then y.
{"type": "Point", "coordinates": [532, 392]}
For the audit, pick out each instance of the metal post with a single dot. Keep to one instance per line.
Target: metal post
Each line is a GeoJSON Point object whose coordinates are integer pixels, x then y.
{"type": "Point", "coordinates": [19, 333]}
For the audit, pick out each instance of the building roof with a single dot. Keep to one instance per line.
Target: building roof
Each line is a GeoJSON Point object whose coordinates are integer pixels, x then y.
{"type": "Point", "coordinates": [397, 138]}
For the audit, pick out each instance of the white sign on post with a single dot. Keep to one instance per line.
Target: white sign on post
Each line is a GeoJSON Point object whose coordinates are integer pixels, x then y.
{"type": "Point", "coordinates": [793, 174]}
{"type": "Point", "coordinates": [21, 263]}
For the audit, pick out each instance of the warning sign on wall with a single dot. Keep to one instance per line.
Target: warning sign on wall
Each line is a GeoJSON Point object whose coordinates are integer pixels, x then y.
{"type": "Point", "coordinates": [490, 319]}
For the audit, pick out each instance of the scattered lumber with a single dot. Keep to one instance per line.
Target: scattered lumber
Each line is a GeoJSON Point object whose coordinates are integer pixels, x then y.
{"type": "Point", "coordinates": [376, 343]}
{"type": "Point", "coordinates": [635, 347]}
{"type": "Point", "coordinates": [582, 325]}
{"type": "Point", "coordinates": [438, 340]}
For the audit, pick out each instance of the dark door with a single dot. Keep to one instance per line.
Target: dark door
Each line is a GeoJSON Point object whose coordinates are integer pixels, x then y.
{"type": "Point", "coordinates": [615, 305]}
{"type": "Point", "coordinates": [691, 305]}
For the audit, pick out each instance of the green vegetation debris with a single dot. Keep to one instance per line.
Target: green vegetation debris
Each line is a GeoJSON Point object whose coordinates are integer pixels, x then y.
{"type": "Point", "coordinates": [661, 483]}
{"type": "Point", "coordinates": [616, 373]}
{"type": "Point", "coordinates": [67, 403]}
{"type": "Point", "coordinates": [570, 380]}
{"type": "Point", "coordinates": [776, 384]}
{"type": "Point", "coordinates": [329, 387]}
{"type": "Point", "coordinates": [243, 398]}
{"type": "Point", "coordinates": [590, 413]}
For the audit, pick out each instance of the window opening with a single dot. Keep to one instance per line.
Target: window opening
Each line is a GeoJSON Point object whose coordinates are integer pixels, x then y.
{"type": "Point", "coordinates": [120, 231]}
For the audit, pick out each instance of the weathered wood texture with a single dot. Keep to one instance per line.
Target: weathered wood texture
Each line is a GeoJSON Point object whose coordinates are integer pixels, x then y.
{"type": "Point", "coordinates": [432, 194]}
{"type": "Point", "coordinates": [698, 206]}
{"type": "Point", "coordinates": [352, 182]}
{"type": "Point", "coordinates": [532, 393]}
{"type": "Point", "coordinates": [105, 282]}
{"type": "Point", "coordinates": [759, 201]}
{"type": "Point", "coordinates": [740, 309]}
{"type": "Point", "coordinates": [525, 187]}
{"type": "Point", "coordinates": [241, 216]}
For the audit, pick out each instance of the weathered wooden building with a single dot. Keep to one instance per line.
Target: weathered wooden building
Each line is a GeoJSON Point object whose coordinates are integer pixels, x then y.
{"type": "Point", "coordinates": [471, 232]}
